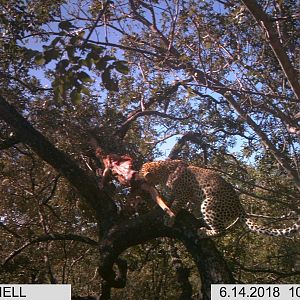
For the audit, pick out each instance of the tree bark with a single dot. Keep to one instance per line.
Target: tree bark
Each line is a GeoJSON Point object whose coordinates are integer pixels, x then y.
{"type": "Point", "coordinates": [264, 21]}
{"type": "Point", "coordinates": [115, 237]}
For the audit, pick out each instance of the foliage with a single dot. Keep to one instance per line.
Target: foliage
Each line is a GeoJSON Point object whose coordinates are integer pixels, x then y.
{"type": "Point", "coordinates": [201, 78]}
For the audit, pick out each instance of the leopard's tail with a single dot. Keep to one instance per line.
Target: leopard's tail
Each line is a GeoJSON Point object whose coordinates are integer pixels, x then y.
{"type": "Point", "coordinates": [249, 224]}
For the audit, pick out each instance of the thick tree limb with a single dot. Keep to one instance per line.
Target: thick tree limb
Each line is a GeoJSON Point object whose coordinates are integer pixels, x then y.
{"type": "Point", "coordinates": [206, 80]}
{"type": "Point", "coordinates": [114, 243]}
{"type": "Point", "coordinates": [195, 137]}
{"type": "Point", "coordinates": [210, 263]}
{"type": "Point", "coordinates": [9, 142]}
{"type": "Point", "coordinates": [230, 97]}
{"type": "Point", "coordinates": [85, 185]}
{"type": "Point", "coordinates": [120, 237]}
{"type": "Point", "coordinates": [266, 23]}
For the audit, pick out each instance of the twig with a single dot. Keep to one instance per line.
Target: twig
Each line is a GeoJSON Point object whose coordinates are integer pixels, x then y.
{"type": "Point", "coordinates": [50, 237]}
{"type": "Point", "coordinates": [101, 13]}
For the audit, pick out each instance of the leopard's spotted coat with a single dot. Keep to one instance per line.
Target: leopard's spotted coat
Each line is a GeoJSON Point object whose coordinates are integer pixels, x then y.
{"type": "Point", "coordinates": [204, 192]}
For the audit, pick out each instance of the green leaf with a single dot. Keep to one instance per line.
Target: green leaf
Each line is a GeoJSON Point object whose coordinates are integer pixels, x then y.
{"type": "Point", "coordinates": [86, 62]}
{"type": "Point", "coordinates": [85, 90]}
{"type": "Point", "coordinates": [40, 60]}
{"type": "Point", "coordinates": [75, 97]}
{"type": "Point", "coordinates": [65, 25]}
{"type": "Point", "coordinates": [71, 51]}
{"type": "Point", "coordinates": [101, 63]}
{"type": "Point", "coordinates": [57, 95]}
{"type": "Point", "coordinates": [122, 67]}
{"type": "Point", "coordinates": [62, 65]}
{"type": "Point", "coordinates": [81, 33]}
{"type": "Point", "coordinates": [68, 83]}
{"type": "Point", "coordinates": [108, 82]}
{"type": "Point", "coordinates": [108, 57]}
{"type": "Point", "coordinates": [75, 40]}
{"type": "Point", "coordinates": [55, 41]}
{"type": "Point", "coordinates": [84, 77]}
{"type": "Point", "coordinates": [95, 48]}
{"type": "Point", "coordinates": [51, 54]}
{"type": "Point", "coordinates": [29, 53]}
{"type": "Point", "coordinates": [92, 55]}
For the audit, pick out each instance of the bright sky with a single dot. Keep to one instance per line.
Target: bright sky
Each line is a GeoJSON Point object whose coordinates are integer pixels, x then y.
{"type": "Point", "coordinates": [112, 37]}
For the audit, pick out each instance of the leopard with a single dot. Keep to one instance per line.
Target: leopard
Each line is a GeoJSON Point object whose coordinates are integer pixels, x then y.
{"type": "Point", "coordinates": [207, 195]}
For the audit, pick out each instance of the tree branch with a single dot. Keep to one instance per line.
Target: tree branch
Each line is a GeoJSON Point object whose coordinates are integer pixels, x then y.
{"type": "Point", "coordinates": [229, 96]}
{"type": "Point", "coordinates": [153, 27]}
{"type": "Point", "coordinates": [50, 237]}
{"type": "Point", "coordinates": [86, 186]}
{"type": "Point", "coordinates": [100, 15]}
{"type": "Point", "coordinates": [195, 137]}
{"type": "Point", "coordinates": [126, 125]}
{"type": "Point", "coordinates": [9, 142]}
{"type": "Point", "coordinates": [160, 97]}
{"type": "Point", "coordinates": [265, 22]}
{"type": "Point", "coordinates": [210, 263]}
{"type": "Point", "coordinates": [205, 79]}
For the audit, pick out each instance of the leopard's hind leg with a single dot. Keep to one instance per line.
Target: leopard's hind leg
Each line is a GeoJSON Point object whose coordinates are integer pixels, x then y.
{"type": "Point", "coordinates": [215, 227]}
